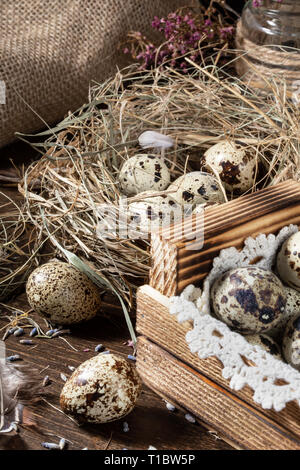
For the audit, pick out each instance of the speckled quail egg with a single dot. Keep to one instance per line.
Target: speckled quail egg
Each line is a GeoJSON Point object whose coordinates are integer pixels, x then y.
{"type": "Point", "coordinates": [288, 261]}
{"type": "Point", "coordinates": [61, 293]}
{"type": "Point", "coordinates": [235, 165]}
{"type": "Point", "coordinates": [195, 188]}
{"type": "Point", "coordinates": [102, 389]}
{"type": "Point", "coordinates": [144, 172]}
{"type": "Point", "coordinates": [291, 342]}
{"type": "Point", "coordinates": [152, 213]}
{"type": "Point", "coordinates": [266, 343]}
{"type": "Point", "coordinates": [292, 308]}
{"type": "Point", "coordinates": [248, 299]}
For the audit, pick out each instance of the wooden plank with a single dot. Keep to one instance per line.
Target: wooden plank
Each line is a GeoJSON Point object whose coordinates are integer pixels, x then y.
{"type": "Point", "coordinates": [214, 405]}
{"type": "Point", "coordinates": [178, 261]}
{"type": "Point", "coordinates": [155, 322]}
{"type": "Point", "coordinates": [150, 423]}
{"type": "Point", "coordinates": [244, 208]}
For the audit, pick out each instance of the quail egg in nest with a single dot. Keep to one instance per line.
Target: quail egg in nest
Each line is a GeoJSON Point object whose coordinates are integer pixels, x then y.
{"type": "Point", "coordinates": [144, 172]}
{"type": "Point", "coordinates": [152, 213]}
{"type": "Point", "coordinates": [195, 188]}
{"type": "Point", "coordinates": [235, 165]}
{"type": "Point", "coordinates": [248, 299]}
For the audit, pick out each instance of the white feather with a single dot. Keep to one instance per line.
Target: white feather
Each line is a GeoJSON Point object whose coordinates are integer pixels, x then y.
{"type": "Point", "coordinates": [13, 380]}
{"type": "Point", "coordinates": [15, 387]}
{"type": "Point", "coordinates": [152, 139]}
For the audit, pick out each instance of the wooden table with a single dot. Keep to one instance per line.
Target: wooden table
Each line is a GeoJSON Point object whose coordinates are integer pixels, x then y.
{"type": "Point", "coordinates": [150, 423]}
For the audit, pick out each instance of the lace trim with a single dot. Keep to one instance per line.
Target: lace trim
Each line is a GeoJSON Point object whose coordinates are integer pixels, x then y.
{"type": "Point", "coordinates": [211, 337]}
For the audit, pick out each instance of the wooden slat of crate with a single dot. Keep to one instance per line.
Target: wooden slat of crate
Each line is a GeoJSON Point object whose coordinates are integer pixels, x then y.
{"type": "Point", "coordinates": [155, 322]}
{"type": "Point", "coordinates": [178, 262]}
{"type": "Point", "coordinates": [244, 426]}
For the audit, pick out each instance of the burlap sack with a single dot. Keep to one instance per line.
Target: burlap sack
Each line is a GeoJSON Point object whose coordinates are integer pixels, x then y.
{"type": "Point", "coordinates": [51, 50]}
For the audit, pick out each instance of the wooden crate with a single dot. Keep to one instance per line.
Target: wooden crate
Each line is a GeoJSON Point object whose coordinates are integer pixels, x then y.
{"type": "Point", "coordinates": [164, 360]}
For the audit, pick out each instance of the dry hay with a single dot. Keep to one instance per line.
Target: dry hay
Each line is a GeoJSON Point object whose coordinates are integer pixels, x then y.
{"type": "Point", "coordinates": [84, 152]}
{"type": "Point", "coordinates": [17, 246]}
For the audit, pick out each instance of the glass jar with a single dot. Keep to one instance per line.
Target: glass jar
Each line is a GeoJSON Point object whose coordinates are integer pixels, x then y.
{"type": "Point", "coordinates": [268, 37]}
{"type": "Point", "coordinates": [273, 22]}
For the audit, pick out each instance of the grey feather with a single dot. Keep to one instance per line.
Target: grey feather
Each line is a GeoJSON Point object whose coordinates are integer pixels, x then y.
{"type": "Point", "coordinates": [18, 386]}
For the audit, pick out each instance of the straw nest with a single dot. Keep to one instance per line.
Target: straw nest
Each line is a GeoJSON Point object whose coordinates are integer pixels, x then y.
{"type": "Point", "coordinates": [83, 154]}
{"type": "Point", "coordinates": [18, 251]}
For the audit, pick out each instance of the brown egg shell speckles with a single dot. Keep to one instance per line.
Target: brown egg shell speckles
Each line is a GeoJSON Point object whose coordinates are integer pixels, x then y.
{"type": "Point", "coordinates": [288, 261]}
{"type": "Point", "coordinates": [234, 164]}
{"type": "Point", "coordinates": [62, 294]}
{"type": "Point", "coordinates": [249, 300]}
{"type": "Point", "coordinates": [144, 172]}
{"type": "Point", "coordinates": [195, 188]}
{"type": "Point", "coordinates": [265, 342]}
{"type": "Point", "coordinates": [102, 389]}
{"type": "Point", "coordinates": [153, 213]}
{"type": "Point", "coordinates": [291, 342]}
{"type": "Point", "coordinates": [292, 308]}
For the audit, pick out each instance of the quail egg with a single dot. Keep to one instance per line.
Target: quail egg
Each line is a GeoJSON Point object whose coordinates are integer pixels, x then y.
{"type": "Point", "coordinates": [102, 389]}
{"type": "Point", "coordinates": [144, 172]}
{"type": "Point", "coordinates": [248, 299]}
{"type": "Point", "coordinates": [292, 308]}
{"type": "Point", "coordinates": [291, 342]}
{"type": "Point", "coordinates": [288, 261]}
{"type": "Point", "coordinates": [234, 164]}
{"type": "Point", "coordinates": [153, 213]}
{"type": "Point", "coordinates": [62, 294]}
{"type": "Point", "coordinates": [266, 343]}
{"type": "Point", "coordinates": [195, 188]}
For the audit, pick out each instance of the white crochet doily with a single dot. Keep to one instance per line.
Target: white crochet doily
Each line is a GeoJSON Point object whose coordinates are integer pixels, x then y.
{"type": "Point", "coordinates": [211, 337]}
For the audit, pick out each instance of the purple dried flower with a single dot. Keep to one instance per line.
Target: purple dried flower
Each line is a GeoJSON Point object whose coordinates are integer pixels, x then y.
{"type": "Point", "coordinates": [156, 22]}
{"type": "Point", "coordinates": [228, 31]}
{"type": "Point", "coordinates": [196, 36]}
{"type": "Point", "coordinates": [178, 20]}
{"type": "Point", "coordinates": [184, 32]}
{"type": "Point", "coordinates": [191, 23]}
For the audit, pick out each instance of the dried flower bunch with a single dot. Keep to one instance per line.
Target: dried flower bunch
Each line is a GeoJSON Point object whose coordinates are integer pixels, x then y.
{"type": "Point", "coordinates": [188, 31]}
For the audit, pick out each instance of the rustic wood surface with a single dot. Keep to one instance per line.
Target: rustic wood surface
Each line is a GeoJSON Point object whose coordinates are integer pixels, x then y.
{"type": "Point", "coordinates": [155, 322]}
{"type": "Point", "coordinates": [246, 428]}
{"type": "Point", "coordinates": [178, 261]}
{"type": "Point", "coordinates": [150, 423]}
